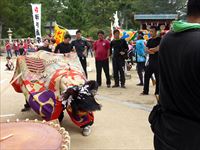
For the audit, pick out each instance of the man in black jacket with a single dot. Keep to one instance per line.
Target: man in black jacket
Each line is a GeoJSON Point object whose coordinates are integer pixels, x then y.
{"type": "Point", "coordinates": [175, 121]}
{"type": "Point", "coordinates": [81, 46]}
{"type": "Point", "coordinates": [119, 48]}
{"type": "Point", "coordinates": [65, 46]}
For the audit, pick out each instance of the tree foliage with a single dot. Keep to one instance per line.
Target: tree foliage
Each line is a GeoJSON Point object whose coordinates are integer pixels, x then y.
{"type": "Point", "coordinates": [87, 15]}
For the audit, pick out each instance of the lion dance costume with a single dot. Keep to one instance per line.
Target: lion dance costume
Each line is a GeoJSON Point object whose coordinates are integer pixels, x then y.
{"type": "Point", "coordinates": [52, 83]}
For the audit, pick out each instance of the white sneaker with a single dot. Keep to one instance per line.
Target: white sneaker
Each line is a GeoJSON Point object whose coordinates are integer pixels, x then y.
{"type": "Point", "coordinates": [87, 130]}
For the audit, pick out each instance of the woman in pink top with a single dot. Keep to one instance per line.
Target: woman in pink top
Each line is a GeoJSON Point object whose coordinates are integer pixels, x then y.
{"type": "Point", "coordinates": [16, 48]}
{"type": "Point", "coordinates": [8, 49]}
{"type": "Point", "coordinates": [25, 47]}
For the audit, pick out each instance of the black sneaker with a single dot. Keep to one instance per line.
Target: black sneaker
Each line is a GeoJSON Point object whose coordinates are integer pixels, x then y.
{"type": "Point", "coordinates": [123, 86]}
{"type": "Point", "coordinates": [140, 84]}
{"type": "Point", "coordinates": [143, 93]}
{"type": "Point", "coordinates": [108, 86]}
{"type": "Point", "coordinates": [25, 109]}
{"type": "Point", "coordinates": [115, 86]}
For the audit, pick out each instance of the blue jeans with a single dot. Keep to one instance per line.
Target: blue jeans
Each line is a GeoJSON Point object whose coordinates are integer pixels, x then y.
{"type": "Point", "coordinates": [9, 53]}
{"type": "Point", "coordinates": [16, 53]}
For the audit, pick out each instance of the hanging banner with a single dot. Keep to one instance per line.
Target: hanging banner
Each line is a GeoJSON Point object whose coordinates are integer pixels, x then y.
{"type": "Point", "coordinates": [36, 8]}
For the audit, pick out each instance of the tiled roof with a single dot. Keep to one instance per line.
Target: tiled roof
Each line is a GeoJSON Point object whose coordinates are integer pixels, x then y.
{"type": "Point", "coordinates": [155, 16]}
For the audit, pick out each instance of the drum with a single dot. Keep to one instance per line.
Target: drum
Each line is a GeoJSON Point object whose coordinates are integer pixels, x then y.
{"type": "Point", "coordinates": [33, 135]}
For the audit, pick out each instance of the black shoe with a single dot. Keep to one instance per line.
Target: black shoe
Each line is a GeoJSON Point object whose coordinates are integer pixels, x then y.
{"type": "Point", "coordinates": [108, 86]}
{"type": "Point", "coordinates": [143, 93]}
{"type": "Point", "coordinates": [25, 109]}
{"type": "Point", "coordinates": [115, 86]}
{"type": "Point", "coordinates": [140, 84]}
{"type": "Point", "coordinates": [123, 86]}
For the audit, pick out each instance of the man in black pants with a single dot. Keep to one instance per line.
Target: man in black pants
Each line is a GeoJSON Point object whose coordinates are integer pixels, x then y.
{"type": "Point", "coordinates": [175, 121]}
{"type": "Point", "coordinates": [153, 64]}
{"type": "Point", "coordinates": [81, 46]}
{"type": "Point", "coordinates": [119, 48]}
{"type": "Point", "coordinates": [102, 52]}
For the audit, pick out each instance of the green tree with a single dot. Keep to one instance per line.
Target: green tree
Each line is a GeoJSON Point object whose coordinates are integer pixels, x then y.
{"type": "Point", "coordinates": [87, 15]}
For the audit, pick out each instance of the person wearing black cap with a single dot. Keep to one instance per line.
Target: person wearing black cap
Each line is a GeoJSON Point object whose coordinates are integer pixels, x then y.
{"type": "Point", "coordinates": [175, 120]}
{"type": "Point", "coordinates": [81, 46]}
{"type": "Point", "coordinates": [153, 64]}
{"type": "Point", "coordinates": [65, 46]}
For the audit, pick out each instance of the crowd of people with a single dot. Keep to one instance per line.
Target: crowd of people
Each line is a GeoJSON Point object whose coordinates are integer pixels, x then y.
{"type": "Point", "coordinates": [20, 47]}
{"type": "Point", "coordinates": [143, 53]}
{"type": "Point", "coordinates": [174, 63]}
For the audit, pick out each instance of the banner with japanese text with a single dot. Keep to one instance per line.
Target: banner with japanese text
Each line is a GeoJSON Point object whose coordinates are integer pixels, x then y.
{"type": "Point", "coordinates": [36, 9]}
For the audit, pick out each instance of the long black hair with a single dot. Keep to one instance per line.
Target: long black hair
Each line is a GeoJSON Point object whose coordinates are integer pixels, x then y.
{"type": "Point", "coordinates": [83, 98]}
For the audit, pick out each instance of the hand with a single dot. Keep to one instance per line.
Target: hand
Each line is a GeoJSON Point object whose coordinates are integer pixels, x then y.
{"type": "Point", "coordinates": [74, 49]}
{"type": "Point", "coordinates": [66, 54]}
{"type": "Point", "coordinates": [122, 53]}
{"type": "Point", "coordinates": [150, 51]}
{"type": "Point", "coordinates": [85, 53]}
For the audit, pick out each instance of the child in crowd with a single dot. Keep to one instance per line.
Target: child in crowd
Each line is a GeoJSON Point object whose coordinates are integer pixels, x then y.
{"type": "Point", "coordinates": [9, 64]}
